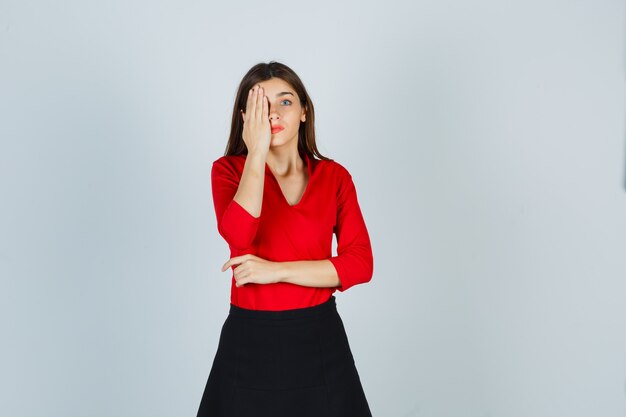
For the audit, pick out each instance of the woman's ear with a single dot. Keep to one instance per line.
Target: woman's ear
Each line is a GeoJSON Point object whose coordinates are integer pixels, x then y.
{"type": "Point", "coordinates": [303, 116]}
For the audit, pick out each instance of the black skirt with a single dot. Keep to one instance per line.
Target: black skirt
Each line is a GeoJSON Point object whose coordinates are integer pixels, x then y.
{"type": "Point", "coordinates": [291, 363]}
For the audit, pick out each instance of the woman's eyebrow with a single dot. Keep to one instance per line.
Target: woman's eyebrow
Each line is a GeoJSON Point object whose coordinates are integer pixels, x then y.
{"type": "Point", "coordinates": [284, 93]}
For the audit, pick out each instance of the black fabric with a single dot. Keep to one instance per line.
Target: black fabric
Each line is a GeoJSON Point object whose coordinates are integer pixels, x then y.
{"type": "Point", "coordinates": [292, 363]}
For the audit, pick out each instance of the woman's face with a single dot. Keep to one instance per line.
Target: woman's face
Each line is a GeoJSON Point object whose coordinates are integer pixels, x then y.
{"type": "Point", "coordinates": [284, 111]}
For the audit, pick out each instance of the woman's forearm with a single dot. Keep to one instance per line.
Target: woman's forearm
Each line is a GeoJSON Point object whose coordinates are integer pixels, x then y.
{"type": "Point", "coordinates": [319, 273]}
{"type": "Point", "coordinates": [249, 195]}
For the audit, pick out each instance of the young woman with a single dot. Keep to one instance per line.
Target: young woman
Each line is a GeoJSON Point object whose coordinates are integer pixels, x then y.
{"type": "Point", "coordinates": [283, 349]}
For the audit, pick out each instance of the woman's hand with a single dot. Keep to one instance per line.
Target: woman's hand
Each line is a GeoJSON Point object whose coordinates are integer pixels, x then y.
{"type": "Point", "coordinates": [253, 269]}
{"type": "Point", "coordinates": [257, 131]}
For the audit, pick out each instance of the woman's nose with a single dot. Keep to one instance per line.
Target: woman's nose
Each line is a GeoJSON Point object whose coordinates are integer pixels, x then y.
{"type": "Point", "coordinates": [273, 114]}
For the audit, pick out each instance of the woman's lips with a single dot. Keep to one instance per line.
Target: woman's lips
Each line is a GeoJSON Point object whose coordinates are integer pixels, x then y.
{"type": "Point", "coordinates": [277, 129]}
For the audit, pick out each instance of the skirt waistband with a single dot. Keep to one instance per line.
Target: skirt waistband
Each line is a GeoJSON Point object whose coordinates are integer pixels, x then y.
{"type": "Point", "coordinates": [325, 307]}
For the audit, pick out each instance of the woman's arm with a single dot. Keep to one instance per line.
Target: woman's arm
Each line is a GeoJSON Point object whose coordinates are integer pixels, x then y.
{"type": "Point", "coordinates": [256, 136]}
{"type": "Point", "coordinates": [250, 268]}
{"type": "Point", "coordinates": [238, 201]}
{"type": "Point", "coordinates": [249, 194]}
{"type": "Point", "coordinates": [320, 273]}
{"type": "Point", "coordinates": [354, 261]}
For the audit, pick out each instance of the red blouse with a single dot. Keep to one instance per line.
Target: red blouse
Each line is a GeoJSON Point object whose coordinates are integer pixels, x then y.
{"type": "Point", "coordinates": [284, 232]}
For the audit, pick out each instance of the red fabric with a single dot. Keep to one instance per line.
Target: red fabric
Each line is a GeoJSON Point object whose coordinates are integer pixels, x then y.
{"type": "Point", "coordinates": [303, 231]}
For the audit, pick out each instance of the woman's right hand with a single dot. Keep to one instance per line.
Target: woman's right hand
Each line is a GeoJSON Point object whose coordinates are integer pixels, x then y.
{"type": "Point", "coordinates": [257, 131]}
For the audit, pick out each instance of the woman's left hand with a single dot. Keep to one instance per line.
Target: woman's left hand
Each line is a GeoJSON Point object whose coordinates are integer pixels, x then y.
{"type": "Point", "coordinates": [252, 269]}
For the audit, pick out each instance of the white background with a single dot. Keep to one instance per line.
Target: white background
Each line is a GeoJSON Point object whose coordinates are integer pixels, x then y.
{"type": "Point", "coordinates": [486, 140]}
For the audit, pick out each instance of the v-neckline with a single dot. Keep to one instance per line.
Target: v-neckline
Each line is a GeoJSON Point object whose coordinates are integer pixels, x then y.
{"type": "Point", "coordinates": [306, 189]}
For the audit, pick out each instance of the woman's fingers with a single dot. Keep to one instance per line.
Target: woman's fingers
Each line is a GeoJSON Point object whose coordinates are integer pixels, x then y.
{"type": "Point", "coordinates": [250, 107]}
{"type": "Point", "coordinates": [259, 103]}
{"type": "Point", "coordinates": [238, 260]}
{"type": "Point", "coordinates": [254, 104]}
{"type": "Point", "coordinates": [239, 273]}
{"type": "Point", "coordinates": [265, 112]}
{"type": "Point", "coordinates": [247, 112]}
{"type": "Point", "coordinates": [256, 127]}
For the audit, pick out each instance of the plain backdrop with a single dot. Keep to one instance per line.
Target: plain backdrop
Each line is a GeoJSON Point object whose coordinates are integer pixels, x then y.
{"type": "Point", "coordinates": [486, 140]}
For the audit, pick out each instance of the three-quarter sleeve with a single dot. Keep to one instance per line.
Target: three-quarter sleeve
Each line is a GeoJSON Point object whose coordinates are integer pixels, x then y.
{"type": "Point", "coordinates": [354, 261]}
{"type": "Point", "coordinates": [234, 223]}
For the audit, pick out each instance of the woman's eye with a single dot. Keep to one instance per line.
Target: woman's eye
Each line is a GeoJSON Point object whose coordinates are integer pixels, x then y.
{"type": "Point", "coordinates": [286, 101]}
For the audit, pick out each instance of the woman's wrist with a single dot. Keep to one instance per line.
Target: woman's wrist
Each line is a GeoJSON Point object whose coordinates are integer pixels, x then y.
{"type": "Point", "coordinates": [258, 155]}
{"type": "Point", "coordinates": [281, 271]}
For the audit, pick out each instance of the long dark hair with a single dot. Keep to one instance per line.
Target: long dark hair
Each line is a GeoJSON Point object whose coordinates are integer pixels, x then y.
{"type": "Point", "coordinates": [263, 72]}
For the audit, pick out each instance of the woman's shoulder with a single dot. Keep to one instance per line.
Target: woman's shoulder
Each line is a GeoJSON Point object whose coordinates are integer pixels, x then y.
{"type": "Point", "coordinates": [228, 166]}
{"type": "Point", "coordinates": [230, 161]}
{"type": "Point", "coordinates": [335, 167]}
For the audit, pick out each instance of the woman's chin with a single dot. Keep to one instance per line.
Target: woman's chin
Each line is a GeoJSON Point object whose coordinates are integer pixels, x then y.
{"type": "Point", "coordinates": [277, 141]}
